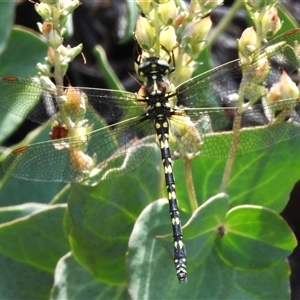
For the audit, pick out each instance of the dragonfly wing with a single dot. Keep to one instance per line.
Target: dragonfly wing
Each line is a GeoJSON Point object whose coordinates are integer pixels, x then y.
{"type": "Point", "coordinates": [213, 96]}
{"type": "Point", "coordinates": [27, 98]}
{"type": "Point", "coordinates": [86, 157]}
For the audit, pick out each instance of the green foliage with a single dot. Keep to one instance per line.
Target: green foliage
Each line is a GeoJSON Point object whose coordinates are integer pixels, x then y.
{"type": "Point", "coordinates": [31, 50]}
{"type": "Point", "coordinates": [112, 240]}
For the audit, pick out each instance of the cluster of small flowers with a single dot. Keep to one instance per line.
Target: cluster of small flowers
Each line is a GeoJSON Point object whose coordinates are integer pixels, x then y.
{"type": "Point", "coordinates": [266, 23]}
{"type": "Point", "coordinates": [71, 101]}
{"type": "Point", "coordinates": [166, 26]}
{"type": "Point", "coordinates": [256, 67]}
{"type": "Point", "coordinates": [55, 15]}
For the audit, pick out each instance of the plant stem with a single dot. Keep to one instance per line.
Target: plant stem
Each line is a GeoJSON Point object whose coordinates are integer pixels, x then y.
{"type": "Point", "coordinates": [190, 184]}
{"type": "Point", "coordinates": [234, 140]}
{"type": "Point", "coordinates": [224, 22]}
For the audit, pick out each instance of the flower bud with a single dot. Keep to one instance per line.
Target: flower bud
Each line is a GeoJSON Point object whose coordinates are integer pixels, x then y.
{"type": "Point", "coordinates": [46, 28]}
{"type": "Point", "coordinates": [209, 5]}
{"type": "Point", "coordinates": [145, 33]}
{"type": "Point", "coordinates": [186, 73]}
{"type": "Point", "coordinates": [196, 31]}
{"type": "Point", "coordinates": [255, 4]}
{"type": "Point", "coordinates": [270, 22]}
{"type": "Point", "coordinates": [68, 6]}
{"type": "Point", "coordinates": [54, 39]}
{"type": "Point", "coordinates": [248, 42]}
{"type": "Point", "coordinates": [43, 10]}
{"type": "Point", "coordinates": [80, 161]}
{"type": "Point", "coordinates": [43, 69]}
{"type": "Point", "coordinates": [145, 6]}
{"type": "Point", "coordinates": [179, 20]}
{"type": "Point", "coordinates": [47, 84]}
{"type": "Point", "coordinates": [284, 89]}
{"type": "Point", "coordinates": [58, 131]}
{"type": "Point", "coordinates": [167, 12]}
{"type": "Point", "coordinates": [73, 52]}
{"type": "Point", "coordinates": [182, 131]}
{"type": "Point", "coordinates": [162, 1]}
{"type": "Point", "coordinates": [75, 105]}
{"type": "Point", "coordinates": [51, 56]}
{"type": "Point", "coordinates": [167, 38]}
{"type": "Point", "coordinates": [63, 51]}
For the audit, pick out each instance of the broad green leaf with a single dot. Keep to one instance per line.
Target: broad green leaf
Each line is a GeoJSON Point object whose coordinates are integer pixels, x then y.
{"type": "Point", "coordinates": [25, 44]}
{"type": "Point", "coordinates": [7, 13]}
{"type": "Point", "coordinates": [148, 262]}
{"type": "Point", "coordinates": [257, 178]}
{"type": "Point", "coordinates": [11, 213]}
{"type": "Point", "coordinates": [272, 283]}
{"type": "Point", "coordinates": [204, 60]}
{"type": "Point", "coordinates": [103, 217]}
{"type": "Point", "coordinates": [36, 239]}
{"type": "Point", "coordinates": [217, 145]}
{"type": "Point", "coordinates": [33, 50]}
{"type": "Point", "coordinates": [287, 19]}
{"type": "Point", "coordinates": [151, 272]}
{"type": "Point", "coordinates": [71, 281]}
{"type": "Point", "coordinates": [41, 192]}
{"type": "Point", "coordinates": [110, 76]}
{"type": "Point", "coordinates": [22, 281]}
{"type": "Point", "coordinates": [11, 192]}
{"type": "Point", "coordinates": [216, 280]}
{"type": "Point", "coordinates": [131, 21]}
{"type": "Point", "coordinates": [254, 238]}
{"type": "Point", "coordinates": [202, 228]}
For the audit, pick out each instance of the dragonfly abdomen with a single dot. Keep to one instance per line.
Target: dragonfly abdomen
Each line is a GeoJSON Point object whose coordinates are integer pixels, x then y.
{"type": "Point", "coordinates": [161, 123]}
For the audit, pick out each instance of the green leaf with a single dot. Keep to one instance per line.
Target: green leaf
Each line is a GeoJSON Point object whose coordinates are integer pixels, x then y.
{"type": "Point", "coordinates": [147, 260]}
{"type": "Point", "coordinates": [201, 230]}
{"type": "Point", "coordinates": [288, 20]}
{"type": "Point", "coordinates": [10, 213]}
{"type": "Point", "coordinates": [204, 60]}
{"type": "Point", "coordinates": [71, 281]}
{"type": "Point", "coordinates": [151, 272]}
{"type": "Point", "coordinates": [103, 217]}
{"type": "Point", "coordinates": [257, 177]}
{"type": "Point", "coordinates": [110, 76]}
{"type": "Point", "coordinates": [217, 145]}
{"type": "Point", "coordinates": [132, 14]}
{"type": "Point", "coordinates": [41, 192]}
{"type": "Point", "coordinates": [6, 21]}
{"type": "Point", "coordinates": [272, 283]}
{"type": "Point", "coordinates": [254, 238]}
{"type": "Point", "coordinates": [33, 50]}
{"type": "Point", "coordinates": [36, 239]}
{"type": "Point", "coordinates": [21, 281]}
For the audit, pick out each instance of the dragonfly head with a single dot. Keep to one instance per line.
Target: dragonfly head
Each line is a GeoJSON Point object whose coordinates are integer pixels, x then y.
{"type": "Point", "coordinates": [155, 71]}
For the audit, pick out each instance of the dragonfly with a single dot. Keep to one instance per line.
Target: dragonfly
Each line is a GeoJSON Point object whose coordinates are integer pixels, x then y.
{"type": "Point", "coordinates": [95, 130]}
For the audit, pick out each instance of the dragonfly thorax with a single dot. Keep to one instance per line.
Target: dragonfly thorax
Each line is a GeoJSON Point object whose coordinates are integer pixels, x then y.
{"type": "Point", "coordinates": [155, 71]}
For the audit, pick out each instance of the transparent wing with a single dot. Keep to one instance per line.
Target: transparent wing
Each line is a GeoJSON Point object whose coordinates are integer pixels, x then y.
{"type": "Point", "coordinates": [31, 99]}
{"type": "Point", "coordinates": [97, 156]}
{"type": "Point", "coordinates": [112, 130]}
{"type": "Point", "coordinates": [101, 126]}
{"type": "Point", "coordinates": [216, 87]}
{"type": "Point", "coordinates": [213, 96]}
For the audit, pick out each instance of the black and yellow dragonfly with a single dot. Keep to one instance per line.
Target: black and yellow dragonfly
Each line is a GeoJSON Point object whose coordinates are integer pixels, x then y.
{"type": "Point", "coordinates": [94, 130]}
